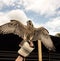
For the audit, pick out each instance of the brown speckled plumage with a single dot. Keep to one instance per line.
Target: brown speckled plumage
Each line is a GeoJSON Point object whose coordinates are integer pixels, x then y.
{"type": "Point", "coordinates": [30, 33]}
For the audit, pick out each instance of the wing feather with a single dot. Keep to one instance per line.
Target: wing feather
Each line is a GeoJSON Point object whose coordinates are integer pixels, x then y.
{"type": "Point", "coordinates": [14, 27]}
{"type": "Point", "coordinates": [43, 35]}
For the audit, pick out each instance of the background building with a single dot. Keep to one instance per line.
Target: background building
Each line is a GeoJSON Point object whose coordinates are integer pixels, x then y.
{"type": "Point", "coordinates": [9, 47]}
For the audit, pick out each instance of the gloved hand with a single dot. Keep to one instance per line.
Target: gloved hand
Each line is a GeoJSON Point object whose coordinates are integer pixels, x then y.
{"type": "Point", "coordinates": [25, 49]}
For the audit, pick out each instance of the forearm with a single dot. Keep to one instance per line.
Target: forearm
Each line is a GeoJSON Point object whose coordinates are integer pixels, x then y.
{"type": "Point", "coordinates": [24, 51]}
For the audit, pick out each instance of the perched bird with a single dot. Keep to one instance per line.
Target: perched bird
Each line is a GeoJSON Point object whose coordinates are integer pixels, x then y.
{"type": "Point", "coordinates": [28, 32]}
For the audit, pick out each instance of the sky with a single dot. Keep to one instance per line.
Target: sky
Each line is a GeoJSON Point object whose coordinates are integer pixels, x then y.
{"type": "Point", "coordinates": [44, 13]}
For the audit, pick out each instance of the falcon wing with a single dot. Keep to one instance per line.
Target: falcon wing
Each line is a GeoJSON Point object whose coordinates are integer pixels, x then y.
{"type": "Point", "coordinates": [14, 27]}
{"type": "Point", "coordinates": [43, 35]}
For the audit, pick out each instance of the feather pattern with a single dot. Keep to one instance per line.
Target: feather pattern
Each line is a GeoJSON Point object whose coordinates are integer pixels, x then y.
{"type": "Point", "coordinates": [28, 33]}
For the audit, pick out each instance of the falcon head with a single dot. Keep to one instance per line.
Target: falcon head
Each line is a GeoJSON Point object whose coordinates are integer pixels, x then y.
{"type": "Point", "coordinates": [29, 23]}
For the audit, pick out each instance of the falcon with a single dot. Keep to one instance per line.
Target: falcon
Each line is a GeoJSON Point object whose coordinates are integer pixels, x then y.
{"type": "Point", "coordinates": [28, 32]}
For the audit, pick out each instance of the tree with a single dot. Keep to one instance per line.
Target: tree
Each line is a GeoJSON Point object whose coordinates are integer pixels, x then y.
{"type": "Point", "coordinates": [58, 35]}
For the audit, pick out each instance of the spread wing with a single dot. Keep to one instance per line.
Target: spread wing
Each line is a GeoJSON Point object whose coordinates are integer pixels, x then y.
{"type": "Point", "coordinates": [43, 35]}
{"type": "Point", "coordinates": [14, 27]}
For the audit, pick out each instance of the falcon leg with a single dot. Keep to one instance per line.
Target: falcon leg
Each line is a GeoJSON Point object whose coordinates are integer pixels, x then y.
{"type": "Point", "coordinates": [24, 40]}
{"type": "Point", "coordinates": [31, 42]}
{"type": "Point", "coordinates": [21, 43]}
{"type": "Point", "coordinates": [25, 37]}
